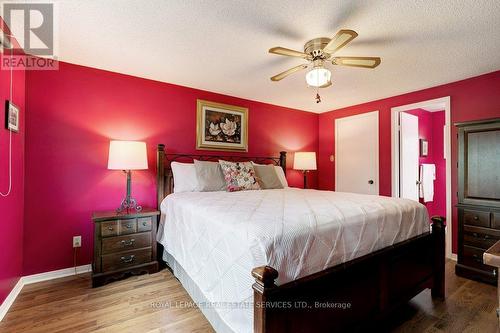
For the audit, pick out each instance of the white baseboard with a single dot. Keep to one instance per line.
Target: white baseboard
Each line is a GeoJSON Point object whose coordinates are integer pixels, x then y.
{"type": "Point", "coordinates": [56, 274]}
{"type": "Point", "coordinates": [453, 256]}
{"type": "Point", "coordinates": [24, 280]}
{"type": "Point", "coordinates": [11, 297]}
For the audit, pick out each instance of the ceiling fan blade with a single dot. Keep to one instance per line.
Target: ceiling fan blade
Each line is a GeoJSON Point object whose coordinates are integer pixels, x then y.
{"type": "Point", "coordinates": [365, 62]}
{"type": "Point", "coordinates": [284, 74]}
{"type": "Point", "coordinates": [287, 52]}
{"type": "Point", "coordinates": [340, 40]}
{"type": "Point", "coordinates": [326, 85]}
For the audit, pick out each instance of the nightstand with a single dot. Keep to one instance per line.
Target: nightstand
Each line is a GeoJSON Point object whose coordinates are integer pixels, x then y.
{"type": "Point", "coordinates": [124, 243]}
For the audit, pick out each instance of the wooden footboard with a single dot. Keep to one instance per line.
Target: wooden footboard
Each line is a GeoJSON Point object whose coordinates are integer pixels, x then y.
{"type": "Point", "coordinates": [350, 295]}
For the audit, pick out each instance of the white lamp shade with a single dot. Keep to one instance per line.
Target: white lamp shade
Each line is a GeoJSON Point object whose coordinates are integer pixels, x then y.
{"type": "Point", "coordinates": [127, 155]}
{"type": "Point", "coordinates": [304, 161]}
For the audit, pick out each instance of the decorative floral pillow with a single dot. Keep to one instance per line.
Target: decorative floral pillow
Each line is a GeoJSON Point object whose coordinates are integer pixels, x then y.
{"type": "Point", "coordinates": [239, 176]}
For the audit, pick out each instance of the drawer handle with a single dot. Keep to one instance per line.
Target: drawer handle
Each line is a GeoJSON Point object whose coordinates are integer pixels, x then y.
{"type": "Point", "coordinates": [477, 258]}
{"type": "Point", "coordinates": [476, 218]}
{"type": "Point", "coordinates": [144, 223]}
{"type": "Point", "coordinates": [129, 242]}
{"type": "Point", "coordinates": [110, 228]}
{"type": "Point", "coordinates": [128, 226]}
{"type": "Point", "coordinates": [129, 259]}
{"type": "Point", "coordinates": [476, 235]}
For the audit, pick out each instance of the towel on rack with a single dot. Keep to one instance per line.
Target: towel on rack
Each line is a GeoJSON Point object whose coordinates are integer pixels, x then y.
{"type": "Point", "coordinates": [427, 177]}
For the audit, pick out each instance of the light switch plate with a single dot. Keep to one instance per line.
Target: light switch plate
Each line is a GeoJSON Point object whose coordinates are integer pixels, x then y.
{"type": "Point", "coordinates": [77, 241]}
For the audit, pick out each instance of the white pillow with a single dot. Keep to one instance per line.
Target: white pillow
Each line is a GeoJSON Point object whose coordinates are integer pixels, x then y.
{"type": "Point", "coordinates": [184, 177]}
{"type": "Point", "coordinates": [281, 175]}
{"type": "Point", "coordinates": [279, 172]}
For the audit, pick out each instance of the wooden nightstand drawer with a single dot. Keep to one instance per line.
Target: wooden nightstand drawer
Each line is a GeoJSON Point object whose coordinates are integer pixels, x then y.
{"type": "Point", "coordinates": [495, 221]}
{"type": "Point", "coordinates": [482, 238]}
{"type": "Point", "coordinates": [473, 256]}
{"type": "Point", "coordinates": [118, 227]}
{"type": "Point", "coordinates": [144, 224]}
{"type": "Point", "coordinates": [128, 226]}
{"type": "Point", "coordinates": [127, 242]}
{"type": "Point", "coordinates": [477, 217]}
{"type": "Point", "coordinates": [109, 228]}
{"type": "Point", "coordinates": [124, 243]}
{"type": "Point", "coordinates": [116, 261]}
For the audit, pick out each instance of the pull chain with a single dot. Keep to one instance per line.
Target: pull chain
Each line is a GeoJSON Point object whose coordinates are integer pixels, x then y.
{"type": "Point", "coordinates": [318, 97]}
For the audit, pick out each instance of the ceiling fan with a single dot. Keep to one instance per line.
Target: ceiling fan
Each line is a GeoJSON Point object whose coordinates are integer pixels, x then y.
{"type": "Point", "coordinates": [318, 52]}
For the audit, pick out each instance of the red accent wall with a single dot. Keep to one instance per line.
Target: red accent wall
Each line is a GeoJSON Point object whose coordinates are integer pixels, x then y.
{"type": "Point", "coordinates": [12, 206]}
{"type": "Point", "coordinates": [438, 205]}
{"type": "Point", "coordinates": [430, 128]}
{"type": "Point", "coordinates": [75, 111]}
{"type": "Point", "coordinates": [474, 98]}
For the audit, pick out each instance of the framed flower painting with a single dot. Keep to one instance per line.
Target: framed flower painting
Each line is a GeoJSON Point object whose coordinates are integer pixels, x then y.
{"type": "Point", "coordinates": [221, 126]}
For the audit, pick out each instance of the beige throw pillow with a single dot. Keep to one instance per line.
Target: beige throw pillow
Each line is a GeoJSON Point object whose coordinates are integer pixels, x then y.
{"type": "Point", "coordinates": [209, 175]}
{"type": "Point", "coordinates": [267, 177]}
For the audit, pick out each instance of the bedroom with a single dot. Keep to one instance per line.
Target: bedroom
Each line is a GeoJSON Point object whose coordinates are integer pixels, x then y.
{"type": "Point", "coordinates": [151, 72]}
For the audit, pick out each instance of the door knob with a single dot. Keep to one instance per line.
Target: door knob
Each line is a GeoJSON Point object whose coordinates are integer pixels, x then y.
{"type": "Point", "coordinates": [370, 182]}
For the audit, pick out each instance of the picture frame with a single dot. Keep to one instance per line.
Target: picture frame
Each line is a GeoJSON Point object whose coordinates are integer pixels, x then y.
{"type": "Point", "coordinates": [221, 126]}
{"type": "Point", "coordinates": [11, 116]}
{"type": "Point", "coordinates": [424, 148]}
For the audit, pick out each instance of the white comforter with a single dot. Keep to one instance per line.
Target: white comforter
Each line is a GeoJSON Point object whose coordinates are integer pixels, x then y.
{"type": "Point", "coordinates": [218, 237]}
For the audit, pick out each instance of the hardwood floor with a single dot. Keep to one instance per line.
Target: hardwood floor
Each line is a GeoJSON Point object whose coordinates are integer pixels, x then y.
{"type": "Point", "coordinates": [470, 306]}
{"type": "Point", "coordinates": [131, 305]}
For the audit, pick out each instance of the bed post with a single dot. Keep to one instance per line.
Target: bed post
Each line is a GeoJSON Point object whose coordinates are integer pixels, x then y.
{"type": "Point", "coordinates": [439, 250]}
{"type": "Point", "coordinates": [264, 283]}
{"type": "Point", "coordinates": [160, 173]}
{"type": "Point", "coordinates": [283, 161]}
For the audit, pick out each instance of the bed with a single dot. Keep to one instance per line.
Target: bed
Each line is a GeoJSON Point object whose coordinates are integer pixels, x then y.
{"type": "Point", "coordinates": [293, 260]}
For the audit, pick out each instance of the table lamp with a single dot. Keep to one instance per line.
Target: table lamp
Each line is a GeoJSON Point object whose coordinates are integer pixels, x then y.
{"type": "Point", "coordinates": [304, 161]}
{"type": "Point", "coordinates": [127, 156]}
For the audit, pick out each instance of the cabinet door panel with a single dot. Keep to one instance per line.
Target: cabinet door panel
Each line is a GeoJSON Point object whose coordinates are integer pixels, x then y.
{"type": "Point", "coordinates": [483, 165]}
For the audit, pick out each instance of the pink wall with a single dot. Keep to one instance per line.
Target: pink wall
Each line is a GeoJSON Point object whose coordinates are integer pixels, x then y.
{"type": "Point", "coordinates": [11, 207]}
{"type": "Point", "coordinates": [424, 132]}
{"type": "Point", "coordinates": [438, 205]}
{"type": "Point", "coordinates": [474, 98]}
{"type": "Point", "coordinates": [430, 128]}
{"type": "Point", "coordinates": [75, 111]}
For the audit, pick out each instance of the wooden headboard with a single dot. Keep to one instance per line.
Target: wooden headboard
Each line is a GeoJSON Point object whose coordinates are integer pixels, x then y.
{"type": "Point", "coordinates": [165, 179]}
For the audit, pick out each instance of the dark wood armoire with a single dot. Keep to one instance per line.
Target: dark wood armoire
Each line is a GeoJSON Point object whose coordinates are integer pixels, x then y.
{"type": "Point", "coordinates": [478, 197]}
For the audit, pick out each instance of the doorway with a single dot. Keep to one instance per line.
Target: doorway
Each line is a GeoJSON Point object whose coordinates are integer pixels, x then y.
{"type": "Point", "coordinates": [421, 159]}
{"type": "Point", "coordinates": [409, 155]}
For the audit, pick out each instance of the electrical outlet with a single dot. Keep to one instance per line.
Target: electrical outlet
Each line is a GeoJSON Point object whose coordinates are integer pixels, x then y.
{"type": "Point", "coordinates": [77, 241]}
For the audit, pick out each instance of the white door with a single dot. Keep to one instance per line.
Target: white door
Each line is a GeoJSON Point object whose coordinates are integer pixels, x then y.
{"type": "Point", "coordinates": [409, 155]}
{"type": "Point", "coordinates": [356, 149]}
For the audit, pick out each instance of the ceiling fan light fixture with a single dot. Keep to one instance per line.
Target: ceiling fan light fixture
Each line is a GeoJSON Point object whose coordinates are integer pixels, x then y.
{"type": "Point", "coordinates": [318, 76]}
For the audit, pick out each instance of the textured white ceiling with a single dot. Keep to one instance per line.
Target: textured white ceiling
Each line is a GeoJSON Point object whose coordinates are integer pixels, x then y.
{"type": "Point", "coordinates": [221, 45]}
